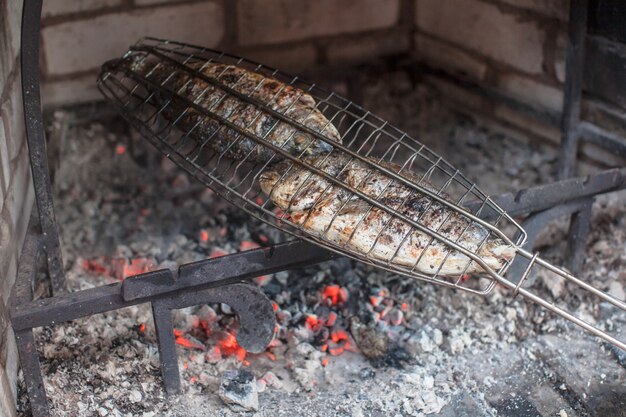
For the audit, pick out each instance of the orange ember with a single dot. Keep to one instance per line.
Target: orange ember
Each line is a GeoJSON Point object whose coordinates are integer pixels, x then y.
{"type": "Point", "coordinates": [324, 361]}
{"type": "Point", "coordinates": [247, 245]}
{"type": "Point", "coordinates": [204, 235]}
{"type": "Point", "coordinates": [335, 294]}
{"type": "Point", "coordinates": [332, 318]}
{"type": "Point", "coordinates": [217, 252]}
{"type": "Point", "coordinates": [312, 322]}
{"type": "Point", "coordinates": [185, 342]}
{"type": "Point", "coordinates": [375, 301]}
{"type": "Point", "coordinates": [120, 149]}
{"type": "Point", "coordinates": [142, 327]}
{"type": "Point", "coordinates": [137, 266]}
{"type": "Point", "coordinates": [229, 347]}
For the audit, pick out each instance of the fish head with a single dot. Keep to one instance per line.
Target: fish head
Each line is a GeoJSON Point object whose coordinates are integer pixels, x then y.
{"type": "Point", "coordinates": [496, 253]}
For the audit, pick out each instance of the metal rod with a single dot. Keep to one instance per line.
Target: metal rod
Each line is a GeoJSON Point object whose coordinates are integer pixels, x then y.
{"type": "Point", "coordinates": [29, 361]}
{"type": "Point", "coordinates": [580, 223]}
{"type": "Point", "coordinates": [35, 137]}
{"type": "Point", "coordinates": [574, 60]}
{"type": "Point", "coordinates": [168, 358]}
{"type": "Point", "coordinates": [196, 276]}
{"type": "Point", "coordinates": [543, 197]}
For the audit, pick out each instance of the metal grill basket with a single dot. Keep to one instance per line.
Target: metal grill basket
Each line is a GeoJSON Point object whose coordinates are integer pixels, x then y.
{"type": "Point", "coordinates": [152, 102]}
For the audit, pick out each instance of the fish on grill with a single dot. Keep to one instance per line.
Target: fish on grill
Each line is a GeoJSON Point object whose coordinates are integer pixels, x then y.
{"type": "Point", "coordinates": [288, 100]}
{"type": "Point", "coordinates": [341, 217]}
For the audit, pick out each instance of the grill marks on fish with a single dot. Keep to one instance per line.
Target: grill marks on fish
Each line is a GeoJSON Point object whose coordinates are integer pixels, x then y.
{"type": "Point", "coordinates": [280, 97]}
{"type": "Point", "coordinates": [337, 215]}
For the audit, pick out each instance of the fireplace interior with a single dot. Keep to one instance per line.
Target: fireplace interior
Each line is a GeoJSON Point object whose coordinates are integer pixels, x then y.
{"type": "Point", "coordinates": [141, 292]}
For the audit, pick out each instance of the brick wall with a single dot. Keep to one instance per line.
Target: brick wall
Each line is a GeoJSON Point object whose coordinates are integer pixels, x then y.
{"type": "Point", "coordinates": [515, 48]}
{"type": "Point", "coordinates": [294, 35]}
{"type": "Point", "coordinates": [16, 192]}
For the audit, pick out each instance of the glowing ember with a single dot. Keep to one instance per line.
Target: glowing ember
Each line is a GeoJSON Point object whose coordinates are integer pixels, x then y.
{"type": "Point", "coordinates": [204, 235]}
{"type": "Point", "coordinates": [335, 294]}
{"type": "Point", "coordinates": [332, 318]}
{"type": "Point", "coordinates": [120, 268]}
{"type": "Point", "coordinates": [339, 335]}
{"type": "Point", "coordinates": [185, 342]}
{"type": "Point", "coordinates": [142, 328]}
{"type": "Point", "coordinates": [375, 301]}
{"type": "Point", "coordinates": [217, 253]}
{"type": "Point", "coordinates": [120, 149]}
{"type": "Point", "coordinates": [229, 347]}
{"type": "Point", "coordinates": [324, 361]}
{"type": "Point", "coordinates": [247, 245]}
{"type": "Point", "coordinates": [137, 266]}
{"type": "Point", "coordinates": [313, 323]}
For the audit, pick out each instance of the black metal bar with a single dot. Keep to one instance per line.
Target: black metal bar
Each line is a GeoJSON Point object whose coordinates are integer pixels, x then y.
{"type": "Point", "coordinates": [574, 61]}
{"type": "Point", "coordinates": [195, 277]}
{"type": "Point", "coordinates": [577, 237]}
{"type": "Point", "coordinates": [33, 117]}
{"type": "Point", "coordinates": [255, 312]}
{"type": "Point", "coordinates": [534, 224]}
{"type": "Point", "coordinates": [31, 368]}
{"type": "Point", "coordinates": [543, 197]}
{"type": "Point", "coordinates": [231, 268]}
{"type": "Point", "coordinates": [164, 327]}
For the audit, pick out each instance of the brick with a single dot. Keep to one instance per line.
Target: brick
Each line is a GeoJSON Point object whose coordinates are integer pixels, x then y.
{"type": "Point", "coordinates": [151, 2]}
{"type": "Point", "coordinates": [9, 245]}
{"type": "Point", "coordinates": [9, 280]}
{"type": "Point", "coordinates": [531, 91]}
{"type": "Point", "coordinates": [12, 113]}
{"type": "Point", "coordinates": [7, 400]}
{"type": "Point", "coordinates": [18, 191]}
{"type": "Point", "coordinates": [557, 9]}
{"type": "Point", "coordinates": [527, 123]}
{"type": "Point", "coordinates": [364, 48]}
{"type": "Point", "coordinates": [79, 89]}
{"type": "Point", "coordinates": [13, 21]}
{"type": "Point", "coordinates": [485, 29]}
{"type": "Point", "coordinates": [27, 205]}
{"type": "Point", "coordinates": [273, 21]}
{"type": "Point", "coordinates": [449, 58]}
{"type": "Point", "coordinates": [457, 95]}
{"type": "Point", "coordinates": [77, 46]}
{"type": "Point", "coordinates": [60, 7]}
{"type": "Point", "coordinates": [5, 162]}
{"type": "Point", "coordinates": [7, 55]}
{"type": "Point", "coordinates": [293, 58]}
{"type": "Point", "coordinates": [12, 361]}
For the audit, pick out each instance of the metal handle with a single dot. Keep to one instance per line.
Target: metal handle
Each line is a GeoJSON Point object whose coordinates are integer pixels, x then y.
{"type": "Point", "coordinates": [537, 262]}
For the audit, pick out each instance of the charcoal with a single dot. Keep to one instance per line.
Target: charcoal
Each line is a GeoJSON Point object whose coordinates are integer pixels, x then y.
{"type": "Point", "coordinates": [395, 364]}
{"type": "Point", "coordinates": [239, 391]}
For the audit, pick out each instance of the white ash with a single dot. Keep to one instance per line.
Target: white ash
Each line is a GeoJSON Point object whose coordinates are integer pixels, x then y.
{"type": "Point", "coordinates": [136, 205]}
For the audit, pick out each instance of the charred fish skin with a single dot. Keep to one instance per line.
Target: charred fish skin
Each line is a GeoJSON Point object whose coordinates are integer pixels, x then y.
{"type": "Point", "coordinates": [280, 97]}
{"type": "Point", "coordinates": [337, 215]}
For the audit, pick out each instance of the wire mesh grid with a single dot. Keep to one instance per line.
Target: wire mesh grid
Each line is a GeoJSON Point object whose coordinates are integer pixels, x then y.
{"type": "Point", "coordinates": [340, 176]}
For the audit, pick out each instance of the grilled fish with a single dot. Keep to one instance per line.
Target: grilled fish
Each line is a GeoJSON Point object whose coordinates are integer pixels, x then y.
{"type": "Point", "coordinates": [339, 216]}
{"type": "Point", "coordinates": [283, 98]}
